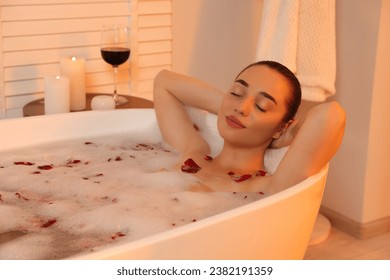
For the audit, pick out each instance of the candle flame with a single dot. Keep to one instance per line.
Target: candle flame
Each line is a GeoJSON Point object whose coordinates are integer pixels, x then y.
{"type": "Point", "coordinates": [74, 58]}
{"type": "Point", "coordinates": [58, 77]}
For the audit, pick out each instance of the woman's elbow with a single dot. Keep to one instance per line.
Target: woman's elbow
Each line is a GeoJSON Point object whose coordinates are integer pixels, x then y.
{"type": "Point", "coordinates": [336, 115]}
{"type": "Point", "coordinates": [160, 86]}
{"type": "Point", "coordinates": [160, 79]}
{"type": "Point", "coordinates": [329, 120]}
{"type": "Point", "coordinates": [335, 124]}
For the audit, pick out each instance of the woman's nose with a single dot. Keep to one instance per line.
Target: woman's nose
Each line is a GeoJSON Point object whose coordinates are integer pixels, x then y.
{"type": "Point", "coordinates": [245, 106]}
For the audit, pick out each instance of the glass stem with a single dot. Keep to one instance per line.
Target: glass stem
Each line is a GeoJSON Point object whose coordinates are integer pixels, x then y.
{"type": "Point", "coordinates": [115, 95]}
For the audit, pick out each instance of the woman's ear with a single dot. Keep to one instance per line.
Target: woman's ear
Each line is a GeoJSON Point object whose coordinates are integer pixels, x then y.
{"type": "Point", "coordinates": [282, 129]}
{"type": "Point", "coordinates": [284, 136]}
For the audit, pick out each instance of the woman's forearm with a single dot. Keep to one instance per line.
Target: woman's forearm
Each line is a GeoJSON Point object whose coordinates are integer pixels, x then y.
{"type": "Point", "coordinates": [188, 91]}
{"type": "Point", "coordinates": [172, 93]}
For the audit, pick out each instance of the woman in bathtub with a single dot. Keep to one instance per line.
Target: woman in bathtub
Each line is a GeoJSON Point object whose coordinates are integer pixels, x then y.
{"type": "Point", "coordinates": [255, 114]}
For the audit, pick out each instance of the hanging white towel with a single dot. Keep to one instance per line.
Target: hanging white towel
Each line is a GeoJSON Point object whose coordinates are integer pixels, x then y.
{"type": "Point", "coordinates": [301, 34]}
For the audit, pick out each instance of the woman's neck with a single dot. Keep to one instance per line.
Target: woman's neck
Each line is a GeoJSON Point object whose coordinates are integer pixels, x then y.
{"type": "Point", "coordinates": [240, 159]}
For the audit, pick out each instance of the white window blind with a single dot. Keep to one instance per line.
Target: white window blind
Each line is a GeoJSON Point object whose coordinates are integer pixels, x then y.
{"type": "Point", "coordinates": [152, 22]}
{"type": "Point", "coordinates": [37, 34]}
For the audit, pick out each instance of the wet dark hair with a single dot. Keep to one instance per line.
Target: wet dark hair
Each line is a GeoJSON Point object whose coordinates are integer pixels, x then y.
{"type": "Point", "coordinates": [294, 101]}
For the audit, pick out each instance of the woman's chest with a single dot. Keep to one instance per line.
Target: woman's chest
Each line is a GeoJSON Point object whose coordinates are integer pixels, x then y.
{"type": "Point", "coordinates": [220, 179]}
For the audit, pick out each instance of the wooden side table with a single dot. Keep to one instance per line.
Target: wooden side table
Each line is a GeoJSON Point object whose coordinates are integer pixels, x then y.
{"type": "Point", "coordinates": [37, 107]}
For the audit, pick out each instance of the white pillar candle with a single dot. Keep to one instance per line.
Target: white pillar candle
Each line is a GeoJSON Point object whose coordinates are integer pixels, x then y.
{"type": "Point", "coordinates": [74, 69]}
{"type": "Point", "coordinates": [57, 95]}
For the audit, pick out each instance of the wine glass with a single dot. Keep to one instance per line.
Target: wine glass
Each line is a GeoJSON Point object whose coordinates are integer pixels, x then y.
{"type": "Point", "coordinates": [115, 50]}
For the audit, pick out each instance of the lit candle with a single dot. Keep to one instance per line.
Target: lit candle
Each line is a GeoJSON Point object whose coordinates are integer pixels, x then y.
{"type": "Point", "coordinates": [57, 95]}
{"type": "Point", "coordinates": [74, 69]}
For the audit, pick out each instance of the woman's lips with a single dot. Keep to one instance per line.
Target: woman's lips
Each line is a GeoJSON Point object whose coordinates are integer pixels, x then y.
{"type": "Point", "coordinates": [234, 122]}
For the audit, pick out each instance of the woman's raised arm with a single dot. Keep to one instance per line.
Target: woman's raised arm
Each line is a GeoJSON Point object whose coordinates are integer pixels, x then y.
{"type": "Point", "coordinates": [316, 138]}
{"type": "Point", "coordinates": [172, 92]}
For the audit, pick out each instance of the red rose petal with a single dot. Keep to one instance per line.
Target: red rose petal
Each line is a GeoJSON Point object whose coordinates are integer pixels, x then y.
{"type": "Point", "coordinates": [45, 167]}
{"type": "Point", "coordinates": [261, 173]}
{"type": "Point", "coordinates": [23, 163]}
{"type": "Point", "coordinates": [70, 162]}
{"type": "Point", "coordinates": [21, 196]}
{"type": "Point", "coordinates": [117, 234]}
{"type": "Point", "coordinates": [243, 178]}
{"type": "Point", "coordinates": [208, 158]}
{"type": "Point", "coordinates": [196, 127]}
{"type": "Point", "coordinates": [48, 223]}
{"type": "Point", "coordinates": [190, 166]}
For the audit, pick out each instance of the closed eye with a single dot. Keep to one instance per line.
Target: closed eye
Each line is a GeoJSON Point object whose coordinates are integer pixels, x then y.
{"type": "Point", "coordinates": [235, 94]}
{"type": "Point", "coordinates": [259, 108]}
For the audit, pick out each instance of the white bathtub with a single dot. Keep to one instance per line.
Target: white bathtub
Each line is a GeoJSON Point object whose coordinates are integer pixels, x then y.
{"type": "Point", "coordinates": [276, 227]}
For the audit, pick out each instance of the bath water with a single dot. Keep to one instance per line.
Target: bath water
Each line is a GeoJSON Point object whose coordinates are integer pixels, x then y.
{"type": "Point", "coordinates": [77, 196]}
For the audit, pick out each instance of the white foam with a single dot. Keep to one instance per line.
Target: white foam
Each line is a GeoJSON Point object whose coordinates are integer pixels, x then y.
{"type": "Point", "coordinates": [30, 246]}
{"type": "Point", "coordinates": [108, 190]}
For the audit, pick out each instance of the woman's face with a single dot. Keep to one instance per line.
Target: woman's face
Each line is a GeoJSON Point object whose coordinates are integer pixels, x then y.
{"type": "Point", "coordinates": [252, 111]}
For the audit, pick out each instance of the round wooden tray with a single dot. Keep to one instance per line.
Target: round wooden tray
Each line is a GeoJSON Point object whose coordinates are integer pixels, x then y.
{"type": "Point", "coordinates": [37, 107]}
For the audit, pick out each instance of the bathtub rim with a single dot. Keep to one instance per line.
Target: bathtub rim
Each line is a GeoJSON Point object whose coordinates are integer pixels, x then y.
{"type": "Point", "coordinates": [19, 141]}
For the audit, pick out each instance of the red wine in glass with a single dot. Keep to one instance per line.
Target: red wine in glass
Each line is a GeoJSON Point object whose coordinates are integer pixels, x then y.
{"type": "Point", "coordinates": [115, 55]}
{"type": "Point", "coordinates": [115, 50]}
